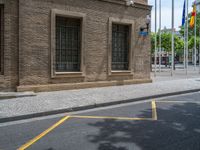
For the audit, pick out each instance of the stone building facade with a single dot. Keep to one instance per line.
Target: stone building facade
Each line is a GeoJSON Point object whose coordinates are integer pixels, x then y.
{"type": "Point", "coordinates": [67, 44]}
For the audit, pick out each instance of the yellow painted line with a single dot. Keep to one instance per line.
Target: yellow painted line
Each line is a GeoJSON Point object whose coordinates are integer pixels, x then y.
{"type": "Point", "coordinates": [31, 142]}
{"type": "Point", "coordinates": [154, 111]}
{"type": "Point", "coordinates": [34, 140]}
{"type": "Point", "coordinates": [114, 118]}
{"type": "Point", "coordinates": [165, 101]}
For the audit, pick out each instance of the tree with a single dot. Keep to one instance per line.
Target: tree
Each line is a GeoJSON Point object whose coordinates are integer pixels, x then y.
{"type": "Point", "coordinates": [191, 32]}
{"type": "Point", "coordinates": [166, 41]}
{"type": "Point", "coordinates": [166, 38]}
{"type": "Point", "coordinates": [179, 46]}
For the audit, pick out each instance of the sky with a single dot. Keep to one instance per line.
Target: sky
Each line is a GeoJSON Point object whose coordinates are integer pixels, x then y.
{"type": "Point", "coordinates": [167, 13]}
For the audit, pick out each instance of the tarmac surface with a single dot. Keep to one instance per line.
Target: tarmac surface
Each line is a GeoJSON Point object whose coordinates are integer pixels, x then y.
{"type": "Point", "coordinates": [169, 123]}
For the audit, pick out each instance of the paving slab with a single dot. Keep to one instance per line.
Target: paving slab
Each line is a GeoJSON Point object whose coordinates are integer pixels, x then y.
{"type": "Point", "coordinates": [10, 95]}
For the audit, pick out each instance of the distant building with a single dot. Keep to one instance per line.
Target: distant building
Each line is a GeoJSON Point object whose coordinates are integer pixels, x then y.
{"type": "Point", "coordinates": [167, 30]}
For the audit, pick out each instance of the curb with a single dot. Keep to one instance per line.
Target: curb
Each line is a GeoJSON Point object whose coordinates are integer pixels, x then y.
{"type": "Point", "coordinates": [54, 112]}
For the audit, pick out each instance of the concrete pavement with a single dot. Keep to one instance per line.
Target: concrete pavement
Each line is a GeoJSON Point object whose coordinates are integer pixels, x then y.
{"type": "Point", "coordinates": [9, 95]}
{"type": "Point", "coordinates": [47, 103]}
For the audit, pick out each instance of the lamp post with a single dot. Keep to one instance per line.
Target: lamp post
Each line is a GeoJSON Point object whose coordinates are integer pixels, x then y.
{"type": "Point", "coordinates": [147, 21]}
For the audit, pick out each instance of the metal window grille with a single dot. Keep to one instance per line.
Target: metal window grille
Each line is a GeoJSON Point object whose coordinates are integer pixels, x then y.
{"type": "Point", "coordinates": [67, 44]}
{"type": "Point", "coordinates": [1, 38]}
{"type": "Point", "coordinates": [120, 47]}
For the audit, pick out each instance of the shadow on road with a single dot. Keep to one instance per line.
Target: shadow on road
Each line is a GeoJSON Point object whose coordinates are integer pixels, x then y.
{"type": "Point", "coordinates": [177, 128]}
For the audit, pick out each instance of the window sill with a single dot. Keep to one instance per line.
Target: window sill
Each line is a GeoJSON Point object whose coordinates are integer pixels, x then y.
{"type": "Point", "coordinates": [68, 75]}
{"type": "Point", "coordinates": [121, 73]}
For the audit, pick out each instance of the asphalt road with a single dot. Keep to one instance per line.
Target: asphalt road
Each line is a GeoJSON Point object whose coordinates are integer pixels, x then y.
{"type": "Point", "coordinates": [171, 123]}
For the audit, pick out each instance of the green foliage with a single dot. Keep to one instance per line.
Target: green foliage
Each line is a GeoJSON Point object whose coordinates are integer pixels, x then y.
{"type": "Point", "coordinates": [178, 42]}
{"type": "Point", "coordinates": [191, 42]}
{"type": "Point", "coordinates": [179, 46]}
{"type": "Point", "coordinates": [152, 42]}
{"type": "Point", "coordinates": [166, 39]}
{"type": "Point", "coordinates": [191, 33]}
{"type": "Point", "coordinates": [191, 30]}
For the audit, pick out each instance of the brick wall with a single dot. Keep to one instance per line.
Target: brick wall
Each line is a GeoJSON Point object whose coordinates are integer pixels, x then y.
{"type": "Point", "coordinates": [9, 79]}
{"type": "Point", "coordinates": [35, 41]}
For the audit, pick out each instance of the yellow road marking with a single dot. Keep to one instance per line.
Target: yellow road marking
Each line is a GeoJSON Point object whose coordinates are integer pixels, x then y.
{"type": "Point", "coordinates": [106, 117]}
{"type": "Point", "coordinates": [154, 111]}
{"type": "Point", "coordinates": [31, 142]}
{"type": "Point", "coordinates": [34, 140]}
{"type": "Point", "coordinates": [166, 101]}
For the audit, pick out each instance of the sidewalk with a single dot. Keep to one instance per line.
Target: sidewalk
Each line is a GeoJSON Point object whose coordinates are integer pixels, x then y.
{"type": "Point", "coordinates": [8, 95]}
{"type": "Point", "coordinates": [47, 103]}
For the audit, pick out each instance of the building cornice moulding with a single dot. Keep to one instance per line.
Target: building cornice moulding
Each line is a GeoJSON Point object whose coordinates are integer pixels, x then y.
{"type": "Point", "coordinates": [137, 3]}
